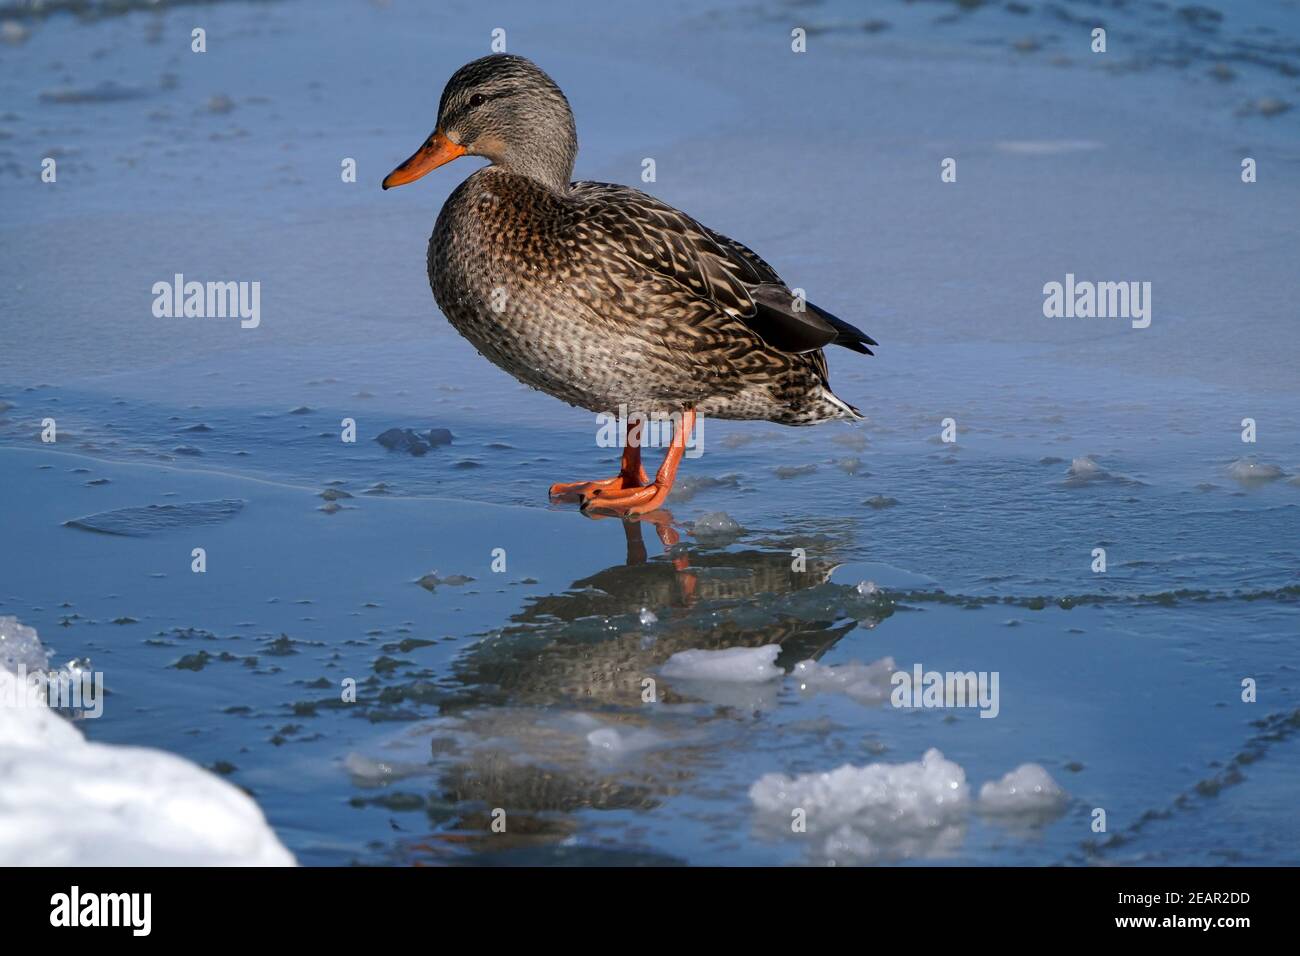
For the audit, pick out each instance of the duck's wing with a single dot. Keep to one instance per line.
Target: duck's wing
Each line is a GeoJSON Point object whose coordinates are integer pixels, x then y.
{"type": "Point", "coordinates": [652, 236]}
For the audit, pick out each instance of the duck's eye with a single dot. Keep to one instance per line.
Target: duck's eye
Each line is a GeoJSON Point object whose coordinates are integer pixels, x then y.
{"type": "Point", "coordinates": [477, 99]}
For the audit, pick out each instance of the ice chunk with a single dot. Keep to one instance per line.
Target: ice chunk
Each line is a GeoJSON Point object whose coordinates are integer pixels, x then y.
{"type": "Point", "coordinates": [21, 647]}
{"type": "Point", "coordinates": [67, 802]}
{"type": "Point", "coordinates": [1028, 790]}
{"type": "Point", "coordinates": [412, 442]}
{"type": "Point", "coordinates": [1249, 470]}
{"type": "Point", "coordinates": [1084, 469]}
{"type": "Point", "coordinates": [372, 772]}
{"type": "Point", "coordinates": [612, 742]}
{"type": "Point", "coordinates": [865, 683]}
{"type": "Point", "coordinates": [743, 665]}
{"type": "Point", "coordinates": [716, 524]}
{"type": "Point", "coordinates": [687, 488]}
{"type": "Point", "coordinates": [140, 522]}
{"type": "Point", "coordinates": [794, 471]}
{"type": "Point", "coordinates": [881, 802]}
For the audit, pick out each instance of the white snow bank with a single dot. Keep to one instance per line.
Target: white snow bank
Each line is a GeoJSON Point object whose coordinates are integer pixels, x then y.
{"type": "Point", "coordinates": [866, 683]}
{"type": "Point", "coordinates": [67, 802]}
{"type": "Point", "coordinates": [744, 665]}
{"type": "Point", "coordinates": [1027, 790]}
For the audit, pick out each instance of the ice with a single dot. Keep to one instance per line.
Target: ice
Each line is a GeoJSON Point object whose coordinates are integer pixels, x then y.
{"type": "Point", "coordinates": [868, 588]}
{"type": "Point", "coordinates": [613, 742]}
{"type": "Point", "coordinates": [21, 647]}
{"type": "Point", "coordinates": [1084, 469]}
{"type": "Point", "coordinates": [147, 520]}
{"type": "Point", "coordinates": [69, 802]}
{"type": "Point", "coordinates": [11, 31]}
{"type": "Point", "coordinates": [865, 683]}
{"type": "Point", "coordinates": [716, 524]}
{"type": "Point", "coordinates": [1028, 790]}
{"type": "Point", "coordinates": [741, 665]}
{"type": "Point", "coordinates": [1249, 470]}
{"type": "Point", "coordinates": [647, 617]}
{"type": "Point", "coordinates": [412, 442]}
{"type": "Point", "coordinates": [882, 809]}
{"type": "Point", "coordinates": [373, 772]}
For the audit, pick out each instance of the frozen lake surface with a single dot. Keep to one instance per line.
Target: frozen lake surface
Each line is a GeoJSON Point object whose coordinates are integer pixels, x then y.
{"type": "Point", "coordinates": [524, 689]}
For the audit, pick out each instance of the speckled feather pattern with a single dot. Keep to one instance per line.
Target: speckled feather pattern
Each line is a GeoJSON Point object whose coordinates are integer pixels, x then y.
{"type": "Point", "coordinates": [603, 296]}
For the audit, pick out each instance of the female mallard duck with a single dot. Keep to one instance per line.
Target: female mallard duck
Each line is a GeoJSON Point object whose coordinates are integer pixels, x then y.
{"type": "Point", "coordinates": [603, 296]}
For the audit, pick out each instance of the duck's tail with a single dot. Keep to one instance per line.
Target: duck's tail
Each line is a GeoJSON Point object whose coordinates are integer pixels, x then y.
{"type": "Point", "coordinates": [842, 408]}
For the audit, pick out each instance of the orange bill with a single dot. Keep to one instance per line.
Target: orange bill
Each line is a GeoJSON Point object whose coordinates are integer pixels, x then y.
{"type": "Point", "coordinates": [436, 151]}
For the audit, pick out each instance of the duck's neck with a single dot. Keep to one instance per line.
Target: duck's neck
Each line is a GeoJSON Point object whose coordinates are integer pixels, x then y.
{"type": "Point", "coordinates": [547, 158]}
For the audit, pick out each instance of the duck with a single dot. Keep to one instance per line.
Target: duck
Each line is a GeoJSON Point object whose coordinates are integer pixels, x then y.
{"type": "Point", "coordinates": [605, 297]}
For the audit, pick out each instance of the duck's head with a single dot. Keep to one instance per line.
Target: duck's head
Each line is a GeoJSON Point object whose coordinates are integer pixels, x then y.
{"type": "Point", "coordinates": [504, 108]}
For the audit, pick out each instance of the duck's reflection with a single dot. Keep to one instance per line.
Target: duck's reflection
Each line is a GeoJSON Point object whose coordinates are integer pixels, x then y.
{"type": "Point", "coordinates": [596, 642]}
{"type": "Point", "coordinates": [562, 710]}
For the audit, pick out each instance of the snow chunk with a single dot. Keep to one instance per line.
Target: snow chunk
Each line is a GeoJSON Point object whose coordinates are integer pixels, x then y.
{"type": "Point", "coordinates": [742, 665]}
{"type": "Point", "coordinates": [1028, 790]}
{"type": "Point", "coordinates": [67, 802]}
{"type": "Point", "coordinates": [880, 800]}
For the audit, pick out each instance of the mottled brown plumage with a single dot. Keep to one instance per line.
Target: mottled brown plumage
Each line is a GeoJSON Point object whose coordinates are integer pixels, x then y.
{"type": "Point", "coordinates": [599, 294]}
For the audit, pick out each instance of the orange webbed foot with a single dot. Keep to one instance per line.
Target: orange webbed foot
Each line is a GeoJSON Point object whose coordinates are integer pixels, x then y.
{"type": "Point", "coordinates": [631, 500]}
{"type": "Point", "coordinates": [580, 489]}
{"type": "Point", "coordinates": [631, 474]}
{"type": "Point", "coordinates": [626, 501]}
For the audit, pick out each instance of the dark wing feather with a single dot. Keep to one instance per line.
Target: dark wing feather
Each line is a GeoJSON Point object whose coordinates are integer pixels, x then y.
{"type": "Point", "coordinates": [710, 265]}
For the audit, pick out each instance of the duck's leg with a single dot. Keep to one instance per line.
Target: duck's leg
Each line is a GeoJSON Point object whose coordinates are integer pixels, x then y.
{"type": "Point", "coordinates": [631, 474]}
{"type": "Point", "coordinates": [650, 497]}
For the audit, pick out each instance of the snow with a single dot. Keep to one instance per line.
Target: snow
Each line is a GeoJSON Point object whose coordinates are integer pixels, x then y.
{"type": "Point", "coordinates": [915, 796]}
{"type": "Point", "coordinates": [905, 810]}
{"type": "Point", "coordinates": [862, 814]}
{"type": "Point", "coordinates": [65, 801]}
{"type": "Point", "coordinates": [1027, 790]}
{"type": "Point", "coordinates": [742, 665]}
